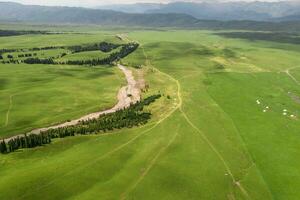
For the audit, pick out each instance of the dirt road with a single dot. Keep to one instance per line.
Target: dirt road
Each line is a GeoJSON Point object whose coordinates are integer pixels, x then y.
{"type": "Point", "coordinates": [127, 95]}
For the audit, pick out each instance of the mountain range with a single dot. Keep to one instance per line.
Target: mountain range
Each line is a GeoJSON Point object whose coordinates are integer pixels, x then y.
{"type": "Point", "coordinates": [14, 12]}
{"type": "Point", "coordinates": [214, 10]}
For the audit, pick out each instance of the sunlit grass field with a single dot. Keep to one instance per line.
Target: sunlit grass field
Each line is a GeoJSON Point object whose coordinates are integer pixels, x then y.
{"type": "Point", "coordinates": [38, 95]}
{"type": "Point", "coordinates": [208, 137]}
{"type": "Point", "coordinates": [34, 96]}
{"type": "Point", "coordinates": [43, 54]}
{"type": "Point", "coordinates": [84, 56]}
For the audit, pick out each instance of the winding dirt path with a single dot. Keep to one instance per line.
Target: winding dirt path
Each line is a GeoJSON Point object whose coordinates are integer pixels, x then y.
{"type": "Point", "coordinates": [9, 109]}
{"type": "Point", "coordinates": [127, 95]}
{"type": "Point", "coordinates": [291, 76]}
{"type": "Point", "coordinates": [204, 137]}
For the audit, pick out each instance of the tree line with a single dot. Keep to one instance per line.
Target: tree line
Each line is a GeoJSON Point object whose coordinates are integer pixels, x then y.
{"type": "Point", "coordinates": [115, 56]}
{"type": "Point", "coordinates": [5, 33]}
{"type": "Point", "coordinates": [103, 46]}
{"type": "Point", "coordinates": [124, 118]}
{"type": "Point", "coordinates": [3, 51]}
{"type": "Point", "coordinates": [26, 141]}
{"type": "Point", "coordinates": [48, 61]}
{"type": "Point", "coordinates": [27, 55]}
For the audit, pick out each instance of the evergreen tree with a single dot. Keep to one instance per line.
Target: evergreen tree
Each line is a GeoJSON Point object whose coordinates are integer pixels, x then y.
{"type": "Point", "coordinates": [3, 148]}
{"type": "Point", "coordinates": [10, 56]}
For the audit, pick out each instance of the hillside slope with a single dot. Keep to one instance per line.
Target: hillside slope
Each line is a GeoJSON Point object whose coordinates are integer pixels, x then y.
{"type": "Point", "coordinates": [13, 12]}
{"type": "Point", "coordinates": [45, 14]}
{"type": "Point", "coordinates": [217, 10]}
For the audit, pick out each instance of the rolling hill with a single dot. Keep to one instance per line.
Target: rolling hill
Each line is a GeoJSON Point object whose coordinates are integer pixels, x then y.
{"type": "Point", "coordinates": [14, 12]}
{"type": "Point", "coordinates": [45, 14]}
{"type": "Point", "coordinates": [258, 11]}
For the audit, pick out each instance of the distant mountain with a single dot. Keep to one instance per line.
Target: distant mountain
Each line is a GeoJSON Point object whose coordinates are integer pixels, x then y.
{"type": "Point", "coordinates": [47, 14]}
{"type": "Point", "coordinates": [132, 8]}
{"type": "Point", "coordinates": [214, 10]}
{"type": "Point", "coordinates": [13, 12]}
{"type": "Point", "coordinates": [290, 18]}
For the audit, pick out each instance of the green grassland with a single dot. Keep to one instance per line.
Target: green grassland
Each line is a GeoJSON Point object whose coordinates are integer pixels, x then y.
{"type": "Point", "coordinates": [36, 54]}
{"type": "Point", "coordinates": [35, 96]}
{"type": "Point", "coordinates": [208, 137]}
{"type": "Point", "coordinates": [84, 56]}
{"type": "Point", "coordinates": [32, 41]}
{"type": "Point", "coordinates": [87, 55]}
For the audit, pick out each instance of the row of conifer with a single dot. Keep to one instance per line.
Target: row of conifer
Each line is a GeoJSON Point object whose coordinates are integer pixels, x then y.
{"type": "Point", "coordinates": [125, 118]}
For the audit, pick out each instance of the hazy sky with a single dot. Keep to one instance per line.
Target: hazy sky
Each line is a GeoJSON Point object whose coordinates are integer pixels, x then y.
{"type": "Point", "coordinates": [91, 3]}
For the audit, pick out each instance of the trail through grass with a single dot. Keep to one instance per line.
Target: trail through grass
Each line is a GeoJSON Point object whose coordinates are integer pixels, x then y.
{"type": "Point", "coordinates": [8, 110]}
{"type": "Point", "coordinates": [208, 137]}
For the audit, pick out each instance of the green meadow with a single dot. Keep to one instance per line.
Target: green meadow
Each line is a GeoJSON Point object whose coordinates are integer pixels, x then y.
{"type": "Point", "coordinates": [39, 54]}
{"type": "Point", "coordinates": [227, 126]}
{"type": "Point", "coordinates": [34, 96]}
{"type": "Point", "coordinates": [84, 56]}
{"type": "Point", "coordinates": [38, 95]}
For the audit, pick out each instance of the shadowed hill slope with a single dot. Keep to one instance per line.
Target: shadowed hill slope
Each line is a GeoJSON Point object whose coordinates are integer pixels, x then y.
{"type": "Point", "coordinates": [14, 12]}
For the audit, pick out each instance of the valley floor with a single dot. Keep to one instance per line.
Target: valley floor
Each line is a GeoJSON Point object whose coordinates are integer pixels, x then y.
{"type": "Point", "coordinates": [209, 138]}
